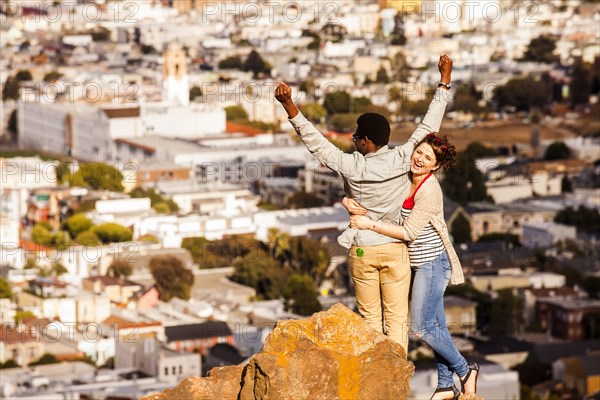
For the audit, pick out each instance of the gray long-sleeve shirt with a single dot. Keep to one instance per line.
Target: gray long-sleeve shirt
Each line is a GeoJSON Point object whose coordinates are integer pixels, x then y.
{"type": "Point", "coordinates": [377, 180]}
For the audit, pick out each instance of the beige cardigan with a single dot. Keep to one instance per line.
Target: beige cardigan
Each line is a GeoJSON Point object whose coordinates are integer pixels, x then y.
{"type": "Point", "coordinates": [429, 207]}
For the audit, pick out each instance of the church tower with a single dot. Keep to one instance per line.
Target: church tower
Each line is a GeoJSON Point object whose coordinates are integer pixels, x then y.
{"type": "Point", "coordinates": [176, 90]}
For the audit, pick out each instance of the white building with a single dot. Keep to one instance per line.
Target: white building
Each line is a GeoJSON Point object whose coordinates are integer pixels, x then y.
{"type": "Point", "coordinates": [150, 357]}
{"type": "Point", "coordinates": [301, 222]}
{"type": "Point", "coordinates": [545, 234]}
{"type": "Point", "coordinates": [547, 280]}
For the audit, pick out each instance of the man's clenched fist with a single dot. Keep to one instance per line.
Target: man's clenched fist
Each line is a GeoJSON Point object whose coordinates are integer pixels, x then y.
{"type": "Point", "coordinates": [283, 93]}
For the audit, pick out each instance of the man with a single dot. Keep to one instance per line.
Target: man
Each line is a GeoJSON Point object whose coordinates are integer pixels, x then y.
{"type": "Point", "coordinates": [375, 176]}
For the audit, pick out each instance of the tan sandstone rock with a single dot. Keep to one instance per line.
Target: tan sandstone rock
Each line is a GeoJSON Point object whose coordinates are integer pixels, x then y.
{"type": "Point", "coordinates": [331, 355]}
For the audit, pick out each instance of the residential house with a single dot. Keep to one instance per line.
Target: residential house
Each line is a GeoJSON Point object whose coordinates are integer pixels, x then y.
{"type": "Point", "coordinates": [144, 298]}
{"type": "Point", "coordinates": [546, 234]}
{"type": "Point", "coordinates": [118, 290]}
{"type": "Point", "coordinates": [220, 355]}
{"type": "Point", "coordinates": [20, 345]}
{"type": "Point", "coordinates": [200, 336]}
{"type": "Point", "coordinates": [55, 300]}
{"type": "Point", "coordinates": [152, 358]}
{"type": "Point", "coordinates": [128, 329]}
{"type": "Point", "coordinates": [461, 316]}
{"type": "Point", "coordinates": [581, 373]}
{"type": "Point", "coordinates": [531, 295]}
{"type": "Point", "coordinates": [566, 317]}
{"type": "Point", "coordinates": [149, 173]}
{"type": "Point", "coordinates": [486, 218]}
{"type": "Point", "coordinates": [311, 222]}
{"type": "Point", "coordinates": [321, 182]}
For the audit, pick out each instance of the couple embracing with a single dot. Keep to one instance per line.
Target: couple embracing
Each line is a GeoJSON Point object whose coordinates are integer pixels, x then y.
{"type": "Point", "coordinates": [397, 226]}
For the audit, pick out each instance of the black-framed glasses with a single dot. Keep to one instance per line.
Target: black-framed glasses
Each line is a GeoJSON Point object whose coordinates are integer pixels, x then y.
{"type": "Point", "coordinates": [356, 137]}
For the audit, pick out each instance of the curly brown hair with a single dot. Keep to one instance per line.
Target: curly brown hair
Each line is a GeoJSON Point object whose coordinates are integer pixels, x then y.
{"type": "Point", "coordinates": [445, 152]}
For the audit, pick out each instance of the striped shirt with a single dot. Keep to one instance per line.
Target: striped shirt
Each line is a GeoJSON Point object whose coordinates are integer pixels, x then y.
{"type": "Point", "coordinates": [428, 245]}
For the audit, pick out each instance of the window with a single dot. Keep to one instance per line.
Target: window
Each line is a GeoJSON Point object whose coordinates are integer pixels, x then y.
{"type": "Point", "coordinates": [180, 370]}
{"type": "Point", "coordinates": [174, 370]}
{"type": "Point", "coordinates": [166, 370]}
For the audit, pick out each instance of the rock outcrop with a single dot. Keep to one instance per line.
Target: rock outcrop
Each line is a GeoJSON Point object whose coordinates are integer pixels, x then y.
{"type": "Point", "coordinates": [331, 355]}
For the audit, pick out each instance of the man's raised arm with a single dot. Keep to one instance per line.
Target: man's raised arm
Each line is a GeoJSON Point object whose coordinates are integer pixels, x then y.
{"type": "Point", "coordinates": [315, 142]}
{"type": "Point", "coordinates": [433, 119]}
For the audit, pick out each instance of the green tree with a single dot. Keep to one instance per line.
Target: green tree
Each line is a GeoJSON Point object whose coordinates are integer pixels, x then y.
{"type": "Point", "coordinates": [87, 238]}
{"type": "Point", "coordinates": [100, 34]}
{"type": "Point", "coordinates": [77, 224]}
{"type": "Point", "coordinates": [301, 296]}
{"type": "Point", "coordinates": [12, 125]}
{"type": "Point", "coordinates": [382, 75]}
{"type": "Point", "coordinates": [524, 94]}
{"type": "Point", "coordinates": [111, 232]}
{"type": "Point", "coordinates": [307, 256]}
{"type": "Point", "coordinates": [337, 102]}
{"type": "Point", "coordinates": [467, 99]}
{"type": "Point", "coordinates": [315, 44]}
{"type": "Point", "coordinates": [343, 123]}
{"type": "Point", "coordinates": [478, 150]}
{"type": "Point", "coordinates": [361, 104]}
{"type": "Point", "coordinates": [304, 200]}
{"type": "Point", "coordinates": [581, 83]}
{"type": "Point", "coordinates": [557, 151]}
{"type": "Point", "coordinates": [541, 49]}
{"type": "Point", "coordinates": [9, 364]}
{"type": "Point", "coordinates": [119, 269]}
{"type": "Point", "coordinates": [147, 49]}
{"type": "Point", "coordinates": [41, 235]}
{"type": "Point", "coordinates": [156, 200]}
{"type": "Point", "coordinates": [99, 176]}
{"type": "Point", "coordinates": [162, 208]}
{"type": "Point", "coordinates": [461, 229]}
{"type": "Point", "coordinates": [566, 186]}
{"type": "Point", "coordinates": [45, 359]}
{"type": "Point", "coordinates": [398, 38]}
{"type": "Point", "coordinates": [52, 76]}
{"type": "Point", "coordinates": [400, 68]}
{"type": "Point", "coordinates": [255, 64]}
{"type": "Point", "coordinates": [171, 277]}
{"type": "Point", "coordinates": [591, 325]}
{"type": "Point", "coordinates": [585, 219]}
{"type": "Point", "coordinates": [591, 285]}
{"type": "Point", "coordinates": [5, 289]}
{"type": "Point", "coordinates": [233, 62]}
{"type": "Point", "coordinates": [263, 273]}
{"type": "Point", "coordinates": [10, 90]}
{"type": "Point", "coordinates": [466, 183]}
{"type": "Point", "coordinates": [313, 111]}
{"type": "Point", "coordinates": [23, 75]}
{"type": "Point", "coordinates": [58, 269]}
{"type": "Point", "coordinates": [195, 92]}
{"type": "Point", "coordinates": [507, 313]}
{"type": "Point", "coordinates": [236, 113]}
{"type": "Point", "coordinates": [21, 315]}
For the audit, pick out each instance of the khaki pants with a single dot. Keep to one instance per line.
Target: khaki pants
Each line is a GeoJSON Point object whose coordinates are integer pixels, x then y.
{"type": "Point", "coordinates": [382, 275]}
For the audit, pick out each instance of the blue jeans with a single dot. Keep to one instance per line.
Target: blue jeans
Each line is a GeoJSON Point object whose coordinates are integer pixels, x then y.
{"type": "Point", "coordinates": [429, 320]}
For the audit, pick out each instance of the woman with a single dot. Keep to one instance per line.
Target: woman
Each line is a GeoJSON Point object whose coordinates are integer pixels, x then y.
{"type": "Point", "coordinates": [432, 259]}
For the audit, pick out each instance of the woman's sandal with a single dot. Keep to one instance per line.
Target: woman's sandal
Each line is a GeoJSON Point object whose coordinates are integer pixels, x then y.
{"type": "Point", "coordinates": [452, 389]}
{"type": "Point", "coordinates": [472, 367]}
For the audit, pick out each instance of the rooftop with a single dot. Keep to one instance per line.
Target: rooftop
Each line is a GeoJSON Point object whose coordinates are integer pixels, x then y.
{"type": "Point", "coordinates": [205, 330]}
